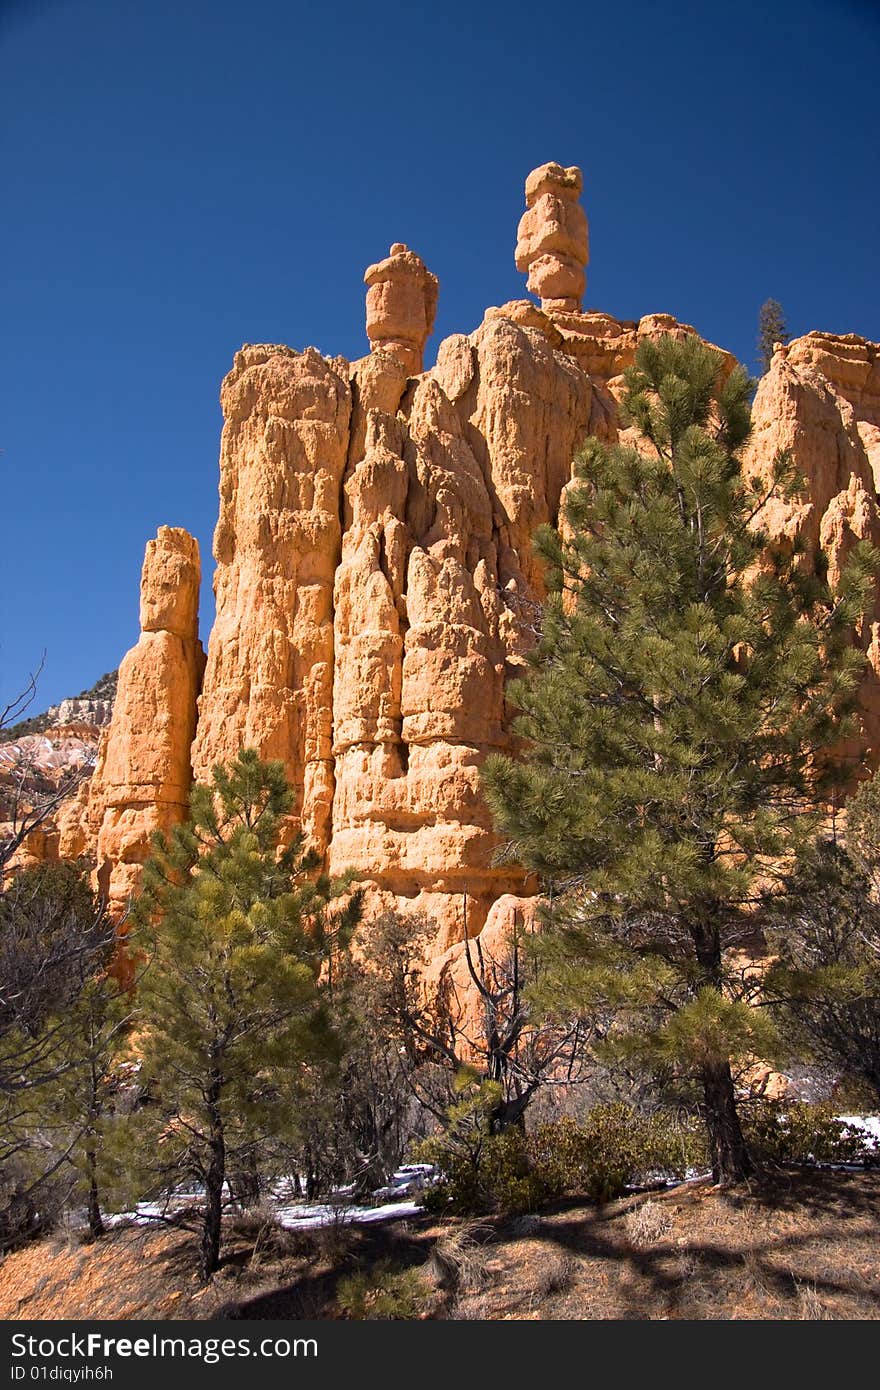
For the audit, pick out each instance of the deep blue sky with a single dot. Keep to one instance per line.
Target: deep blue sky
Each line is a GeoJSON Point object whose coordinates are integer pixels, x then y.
{"type": "Point", "coordinates": [184, 176]}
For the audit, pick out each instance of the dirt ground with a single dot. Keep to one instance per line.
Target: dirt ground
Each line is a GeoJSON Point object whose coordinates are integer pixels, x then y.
{"type": "Point", "coordinates": [804, 1246]}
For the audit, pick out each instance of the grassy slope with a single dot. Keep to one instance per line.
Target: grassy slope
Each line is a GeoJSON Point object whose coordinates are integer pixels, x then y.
{"type": "Point", "coordinates": [802, 1247]}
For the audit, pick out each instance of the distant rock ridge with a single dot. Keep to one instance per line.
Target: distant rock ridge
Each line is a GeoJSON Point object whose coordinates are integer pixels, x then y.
{"type": "Point", "coordinates": [92, 708]}
{"type": "Point", "coordinates": [375, 579]}
{"type": "Point", "coordinates": [79, 710]}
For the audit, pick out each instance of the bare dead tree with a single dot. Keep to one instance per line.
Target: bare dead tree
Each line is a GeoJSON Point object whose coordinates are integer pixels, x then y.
{"type": "Point", "coordinates": [13, 712]}
{"type": "Point", "coordinates": [29, 802]}
{"type": "Point", "coordinates": [57, 1030]}
{"type": "Point", "coordinates": [512, 1048]}
{"type": "Point", "coordinates": [486, 1025]}
{"type": "Point", "coordinates": [54, 936]}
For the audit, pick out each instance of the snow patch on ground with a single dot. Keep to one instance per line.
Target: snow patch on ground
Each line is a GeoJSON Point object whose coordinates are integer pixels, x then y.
{"type": "Point", "coordinates": [399, 1199]}
{"type": "Point", "coordinates": [401, 1194]}
{"type": "Point", "coordinates": [309, 1217]}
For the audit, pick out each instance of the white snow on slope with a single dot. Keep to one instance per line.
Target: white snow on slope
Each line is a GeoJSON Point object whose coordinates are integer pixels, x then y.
{"type": "Point", "coordinates": [304, 1216]}
{"type": "Point", "coordinates": [309, 1216]}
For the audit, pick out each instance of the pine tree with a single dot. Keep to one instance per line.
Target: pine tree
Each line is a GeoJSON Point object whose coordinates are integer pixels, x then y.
{"type": "Point", "coordinates": [233, 997]}
{"type": "Point", "coordinates": [75, 1111]}
{"type": "Point", "coordinates": [863, 829]}
{"type": "Point", "coordinates": [687, 672]}
{"type": "Point", "coordinates": [824, 928]}
{"type": "Point", "coordinates": [771, 330]}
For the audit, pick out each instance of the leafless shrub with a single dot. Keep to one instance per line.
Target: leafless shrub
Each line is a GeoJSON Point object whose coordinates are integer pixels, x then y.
{"type": "Point", "coordinates": [686, 1265]}
{"type": "Point", "coordinates": [647, 1224]}
{"type": "Point", "coordinates": [333, 1242]}
{"type": "Point", "coordinates": [270, 1239]}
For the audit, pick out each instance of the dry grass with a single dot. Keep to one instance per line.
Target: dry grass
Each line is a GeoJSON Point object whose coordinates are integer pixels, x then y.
{"type": "Point", "coordinates": [811, 1305]}
{"type": "Point", "coordinates": [647, 1224]}
{"type": "Point", "coordinates": [803, 1248]}
{"type": "Point", "coordinates": [457, 1261]}
{"type": "Point", "coordinates": [556, 1274]}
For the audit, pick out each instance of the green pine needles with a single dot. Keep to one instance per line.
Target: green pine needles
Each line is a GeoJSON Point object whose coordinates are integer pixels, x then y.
{"type": "Point", "coordinates": [771, 330]}
{"type": "Point", "coordinates": [241, 938]}
{"type": "Point", "coordinates": [690, 669]}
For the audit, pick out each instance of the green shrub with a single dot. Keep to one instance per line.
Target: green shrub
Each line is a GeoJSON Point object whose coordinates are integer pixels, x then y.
{"type": "Point", "coordinates": [509, 1176]}
{"type": "Point", "coordinates": [612, 1148]}
{"type": "Point", "coordinates": [501, 1177]}
{"type": "Point", "coordinates": [797, 1132]}
{"type": "Point", "coordinates": [513, 1173]}
{"type": "Point", "coordinates": [480, 1172]}
{"type": "Point", "coordinates": [383, 1292]}
{"type": "Point", "coordinates": [597, 1158]}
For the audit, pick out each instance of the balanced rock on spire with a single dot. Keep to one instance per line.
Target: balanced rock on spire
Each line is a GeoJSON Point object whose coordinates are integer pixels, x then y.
{"type": "Point", "coordinates": [401, 304]}
{"type": "Point", "coordinates": [552, 239]}
{"type": "Point", "coordinates": [143, 777]}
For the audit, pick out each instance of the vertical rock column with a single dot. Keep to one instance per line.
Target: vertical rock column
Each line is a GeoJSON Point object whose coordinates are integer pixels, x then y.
{"type": "Point", "coordinates": [552, 241]}
{"type": "Point", "coordinates": [142, 780]}
{"type": "Point", "coordinates": [440, 507]}
{"type": "Point", "coordinates": [419, 670]}
{"type": "Point", "coordinates": [401, 304]}
{"type": "Point", "coordinates": [269, 678]}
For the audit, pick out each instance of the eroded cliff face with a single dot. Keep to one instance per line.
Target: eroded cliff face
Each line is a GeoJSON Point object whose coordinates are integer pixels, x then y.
{"type": "Point", "coordinates": [269, 678]}
{"type": "Point", "coordinates": [432, 610]}
{"type": "Point", "coordinates": [819, 401]}
{"type": "Point", "coordinates": [375, 579]}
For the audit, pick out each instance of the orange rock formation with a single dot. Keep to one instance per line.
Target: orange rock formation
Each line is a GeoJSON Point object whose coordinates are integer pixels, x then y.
{"type": "Point", "coordinates": [375, 578]}
{"type": "Point", "coordinates": [143, 775]}
{"type": "Point", "coordinates": [401, 304]}
{"type": "Point", "coordinates": [552, 243]}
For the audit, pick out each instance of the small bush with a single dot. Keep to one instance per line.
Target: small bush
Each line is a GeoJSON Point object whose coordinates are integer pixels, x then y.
{"type": "Point", "coordinates": [458, 1262]}
{"type": "Point", "coordinates": [261, 1227]}
{"type": "Point", "coordinates": [29, 1207]}
{"type": "Point", "coordinates": [555, 1274]}
{"type": "Point", "coordinates": [673, 1146]}
{"type": "Point", "coordinates": [383, 1292]}
{"type": "Point", "coordinates": [333, 1242]}
{"type": "Point", "coordinates": [501, 1177]}
{"type": "Point", "coordinates": [799, 1133]}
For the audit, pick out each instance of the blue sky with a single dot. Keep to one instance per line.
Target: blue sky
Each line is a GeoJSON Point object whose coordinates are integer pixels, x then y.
{"type": "Point", "coordinates": [184, 176]}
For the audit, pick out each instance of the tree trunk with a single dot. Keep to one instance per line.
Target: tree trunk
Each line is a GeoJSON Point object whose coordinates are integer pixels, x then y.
{"type": "Point", "coordinates": [209, 1254]}
{"type": "Point", "coordinates": [96, 1222]}
{"type": "Point", "coordinates": [728, 1152]}
{"type": "Point", "coordinates": [727, 1147]}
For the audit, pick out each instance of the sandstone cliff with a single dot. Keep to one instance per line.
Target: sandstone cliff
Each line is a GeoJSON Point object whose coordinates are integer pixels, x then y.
{"type": "Point", "coordinates": [375, 580]}
{"type": "Point", "coordinates": [819, 400]}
